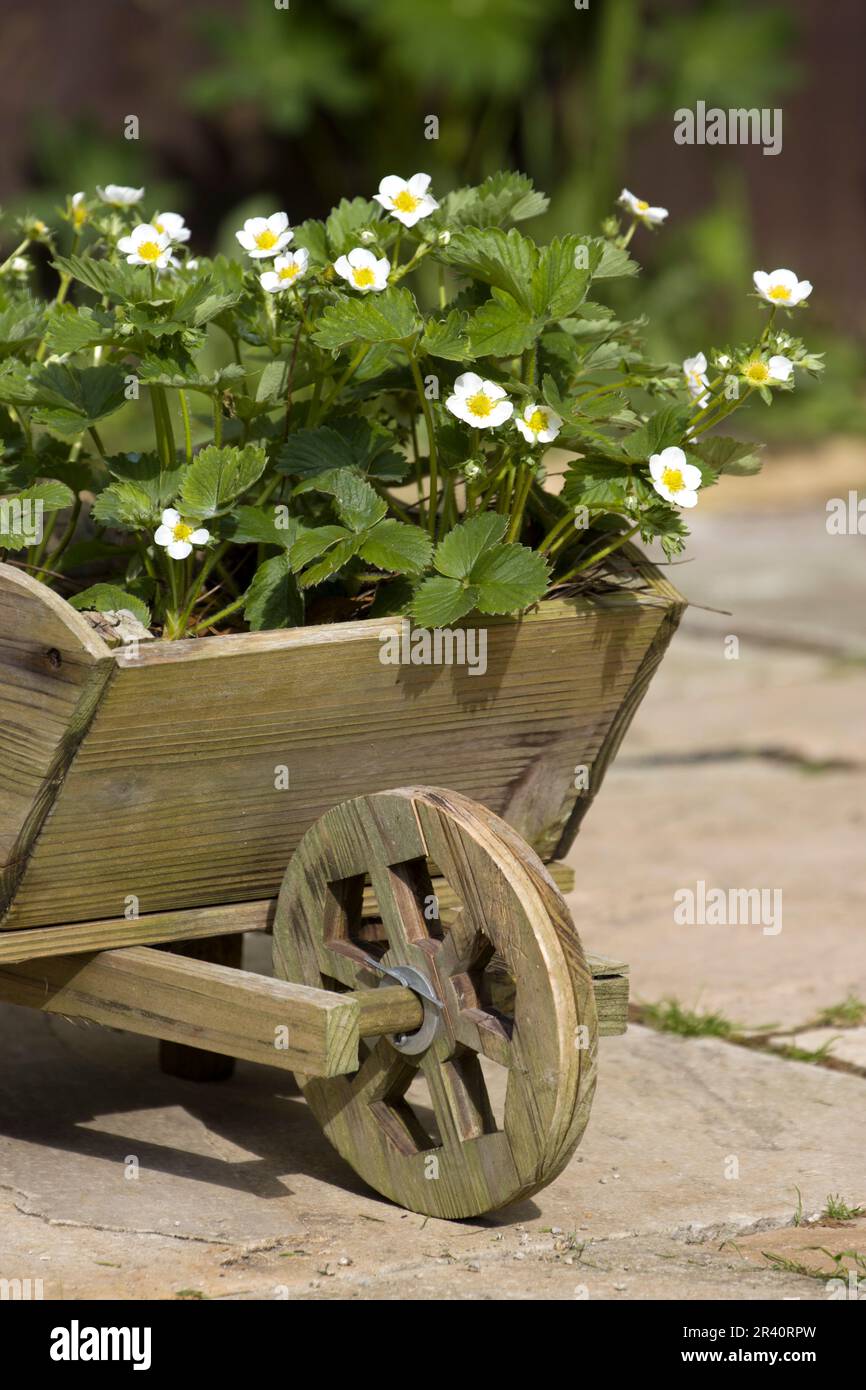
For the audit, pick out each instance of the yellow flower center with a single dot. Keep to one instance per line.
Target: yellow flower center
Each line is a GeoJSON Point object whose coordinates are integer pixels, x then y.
{"type": "Point", "coordinates": [149, 250]}
{"type": "Point", "coordinates": [479, 404]}
{"type": "Point", "coordinates": [757, 373]}
{"type": "Point", "coordinates": [537, 421]}
{"type": "Point", "coordinates": [781, 292]}
{"type": "Point", "coordinates": [363, 276]}
{"type": "Point", "coordinates": [79, 216]}
{"type": "Point", "coordinates": [641, 205]}
{"type": "Point", "coordinates": [288, 272]}
{"type": "Point", "coordinates": [158, 225]}
{"type": "Point", "coordinates": [266, 239]}
{"type": "Point", "coordinates": [182, 531]}
{"type": "Point", "coordinates": [406, 201]}
{"type": "Point", "coordinates": [673, 480]}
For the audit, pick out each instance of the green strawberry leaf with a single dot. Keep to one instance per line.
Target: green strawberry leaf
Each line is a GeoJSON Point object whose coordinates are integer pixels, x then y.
{"type": "Point", "coordinates": [109, 598]}
{"type": "Point", "coordinates": [396, 546]}
{"type": "Point", "coordinates": [273, 599]}
{"type": "Point", "coordinates": [459, 552]}
{"type": "Point", "coordinates": [217, 476]}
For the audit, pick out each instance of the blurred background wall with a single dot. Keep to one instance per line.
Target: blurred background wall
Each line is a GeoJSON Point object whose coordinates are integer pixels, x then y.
{"type": "Point", "coordinates": [242, 104]}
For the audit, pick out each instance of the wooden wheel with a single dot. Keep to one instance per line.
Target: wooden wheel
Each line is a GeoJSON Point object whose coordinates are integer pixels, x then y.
{"type": "Point", "coordinates": [458, 1157]}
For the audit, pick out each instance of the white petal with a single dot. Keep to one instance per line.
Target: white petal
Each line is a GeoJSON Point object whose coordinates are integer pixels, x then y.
{"type": "Point", "coordinates": [126, 245]}
{"type": "Point", "coordinates": [246, 240]}
{"type": "Point", "coordinates": [200, 535]}
{"type": "Point", "coordinates": [691, 476]}
{"type": "Point", "coordinates": [762, 281]}
{"type": "Point", "coordinates": [170, 517]}
{"type": "Point", "coordinates": [784, 277]}
{"type": "Point", "coordinates": [362, 259]}
{"type": "Point", "coordinates": [493, 390]}
{"type": "Point", "coordinates": [468, 383]}
{"type": "Point", "coordinates": [547, 436]}
{"type": "Point", "coordinates": [672, 457]}
{"type": "Point", "coordinates": [780, 368]}
{"type": "Point", "coordinates": [278, 222]}
{"type": "Point", "coordinates": [163, 535]}
{"type": "Point", "coordinates": [803, 290]}
{"type": "Point", "coordinates": [656, 467]}
{"type": "Point", "coordinates": [270, 281]}
{"type": "Point", "coordinates": [502, 411]}
{"type": "Point", "coordinates": [686, 498]}
{"type": "Point", "coordinates": [178, 550]}
{"type": "Point", "coordinates": [457, 406]}
{"type": "Point", "coordinates": [391, 185]}
{"type": "Point", "coordinates": [527, 433]}
{"type": "Point", "coordinates": [342, 267]}
{"type": "Point", "coordinates": [418, 185]}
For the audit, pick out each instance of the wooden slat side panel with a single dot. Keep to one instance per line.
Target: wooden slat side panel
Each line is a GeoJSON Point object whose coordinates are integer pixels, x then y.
{"type": "Point", "coordinates": [176, 796]}
{"type": "Point", "coordinates": [52, 670]}
{"type": "Point", "coordinates": [619, 725]}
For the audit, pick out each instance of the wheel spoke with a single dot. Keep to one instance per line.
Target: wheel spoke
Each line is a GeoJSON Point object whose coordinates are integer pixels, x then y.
{"type": "Point", "coordinates": [459, 1096]}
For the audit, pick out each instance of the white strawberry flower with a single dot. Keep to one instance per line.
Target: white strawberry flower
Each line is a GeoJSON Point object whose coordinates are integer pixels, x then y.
{"type": "Point", "coordinates": [767, 372]}
{"type": "Point", "coordinates": [480, 403]}
{"type": "Point", "coordinates": [172, 224]}
{"type": "Point", "coordinates": [781, 288]}
{"type": "Point", "coordinates": [673, 478]}
{"type": "Point", "coordinates": [287, 269]}
{"type": "Point", "coordinates": [78, 210]}
{"type": "Point", "coordinates": [695, 371]}
{"type": "Point", "coordinates": [539, 424]}
{"type": "Point", "coordinates": [362, 270]}
{"type": "Point", "coordinates": [265, 236]}
{"type": "Point", "coordinates": [146, 246]}
{"type": "Point", "coordinates": [119, 195]}
{"type": "Point", "coordinates": [407, 200]}
{"type": "Point", "coordinates": [179, 536]}
{"type": "Point", "coordinates": [649, 216]}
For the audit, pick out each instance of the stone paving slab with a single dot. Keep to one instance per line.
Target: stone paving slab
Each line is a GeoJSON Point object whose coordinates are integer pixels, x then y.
{"type": "Point", "coordinates": [239, 1195]}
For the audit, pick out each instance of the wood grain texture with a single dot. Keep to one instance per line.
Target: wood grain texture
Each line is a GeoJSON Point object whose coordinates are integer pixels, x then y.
{"type": "Point", "coordinates": [172, 796]}
{"type": "Point", "coordinates": [467, 1160]}
{"type": "Point", "coordinates": [193, 1002]}
{"type": "Point", "coordinates": [152, 929]}
{"type": "Point", "coordinates": [53, 669]}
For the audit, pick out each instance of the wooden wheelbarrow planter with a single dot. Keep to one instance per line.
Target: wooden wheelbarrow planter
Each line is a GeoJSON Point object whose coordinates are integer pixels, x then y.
{"type": "Point", "coordinates": [157, 803]}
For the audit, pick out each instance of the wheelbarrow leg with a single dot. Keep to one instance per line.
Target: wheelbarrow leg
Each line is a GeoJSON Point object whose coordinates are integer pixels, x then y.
{"type": "Point", "coordinates": [193, 1063]}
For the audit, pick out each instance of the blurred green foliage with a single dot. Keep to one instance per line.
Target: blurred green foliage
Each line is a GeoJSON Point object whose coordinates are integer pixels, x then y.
{"type": "Point", "coordinates": [315, 101]}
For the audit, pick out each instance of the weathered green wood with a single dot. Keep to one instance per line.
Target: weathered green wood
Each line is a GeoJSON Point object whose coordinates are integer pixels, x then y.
{"type": "Point", "coordinates": [548, 1048]}
{"type": "Point", "coordinates": [191, 810]}
{"type": "Point", "coordinates": [195, 1003]}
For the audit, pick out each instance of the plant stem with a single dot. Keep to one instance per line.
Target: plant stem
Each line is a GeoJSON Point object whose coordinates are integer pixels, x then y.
{"type": "Point", "coordinates": [600, 554]}
{"type": "Point", "coordinates": [65, 539]}
{"type": "Point", "coordinates": [347, 374]}
{"type": "Point", "coordinates": [17, 252]}
{"type": "Point", "coordinates": [525, 475]}
{"type": "Point", "coordinates": [187, 427]}
{"type": "Point", "coordinates": [217, 420]}
{"type": "Point", "coordinates": [218, 617]}
{"type": "Point", "coordinates": [555, 531]}
{"type": "Point", "coordinates": [100, 447]}
{"type": "Point", "coordinates": [431, 443]}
